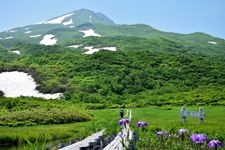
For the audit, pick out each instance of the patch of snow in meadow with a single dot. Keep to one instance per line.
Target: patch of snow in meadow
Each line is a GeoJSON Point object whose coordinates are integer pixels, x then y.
{"type": "Point", "coordinates": [68, 22]}
{"type": "Point", "coordinates": [15, 84]}
{"type": "Point", "coordinates": [34, 36]}
{"type": "Point", "coordinates": [28, 32]}
{"type": "Point", "coordinates": [89, 32]}
{"type": "Point", "coordinates": [211, 42]}
{"type": "Point", "coordinates": [58, 20]}
{"type": "Point", "coordinates": [16, 52]}
{"type": "Point", "coordinates": [48, 39]}
{"type": "Point", "coordinates": [75, 46]}
{"type": "Point", "coordinates": [10, 37]}
{"type": "Point", "coordinates": [92, 50]}
{"type": "Point", "coordinates": [71, 26]}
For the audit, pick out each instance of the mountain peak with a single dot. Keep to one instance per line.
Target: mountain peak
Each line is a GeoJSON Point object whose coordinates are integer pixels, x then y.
{"type": "Point", "coordinates": [84, 10]}
{"type": "Point", "coordinates": [79, 17]}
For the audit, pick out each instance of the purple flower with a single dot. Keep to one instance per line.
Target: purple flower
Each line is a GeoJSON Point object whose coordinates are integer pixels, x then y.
{"type": "Point", "coordinates": [142, 124]}
{"type": "Point", "coordinates": [161, 134]}
{"type": "Point", "coordinates": [123, 122]}
{"type": "Point", "coordinates": [182, 131]}
{"type": "Point", "coordinates": [215, 144]}
{"type": "Point", "coordinates": [198, 138]}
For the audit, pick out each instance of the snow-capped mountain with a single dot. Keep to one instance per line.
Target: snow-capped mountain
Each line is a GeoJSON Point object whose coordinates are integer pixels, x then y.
{"type": "Point", "coordinates": [72, 25]}
{"type": "Point", "coordinates": [80, 17]}
{"type": "Point", "coordinates": [85, 23]}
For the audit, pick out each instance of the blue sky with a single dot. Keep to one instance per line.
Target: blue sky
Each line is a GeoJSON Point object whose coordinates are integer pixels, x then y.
{"type": "Point", "coordinates": [182, 16]}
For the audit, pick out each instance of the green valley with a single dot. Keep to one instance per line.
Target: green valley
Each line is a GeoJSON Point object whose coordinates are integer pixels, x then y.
{"type": "Point", "coordinates": [135, 67]}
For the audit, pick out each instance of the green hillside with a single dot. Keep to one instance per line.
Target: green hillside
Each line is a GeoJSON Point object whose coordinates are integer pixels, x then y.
{"type": "Point", "coordinates": [142, 72]}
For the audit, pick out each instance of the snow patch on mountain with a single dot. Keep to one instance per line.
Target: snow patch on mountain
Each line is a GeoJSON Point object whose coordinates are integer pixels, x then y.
{"type": "Point", "coordinates": [16, 52]}
{"type": "Point", "coordinates": [211, 42]}
{"type": "Point", "coordinates": [15, 84]}
{"type": "Point", "coordinates": [27, 32]}
{"type": "Point", "coordinates": [27, 28]}
{"type": "Point", "coordinates": [68, 22]}
{"type": "Point", "coordinates": [71, 26]}
{"type": "Point", "coordinates": [12, 31]}
{"type": "Point", "coordinates": [10, 37]}
{"type": "Point", "coordinates": [74, 46]}
{"type": "Point", "coordinates": [48, 39]}
{"type": "Point", "coordinates": [34, 36]}
{"type": "Point", "coordinates": [89, 32]}
{"type": "Point", "coordinates": [58, 20]}
{"type": "Point", "coordinates": [42, 22]}
{"type": "Point", "coordinates": [109, 48]}
{"type": "Point", "coordinates": [90, 17]}
{"type": "Point", "coordinates": [92, 50]}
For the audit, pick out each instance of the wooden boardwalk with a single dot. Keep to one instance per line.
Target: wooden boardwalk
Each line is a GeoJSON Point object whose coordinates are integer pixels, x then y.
{"type": "Point", "coordinates": [122, 138]}
{"type": "Point", "coordinates": [85, 142]}
{"type": "Point", "coordinates": [117, 144]}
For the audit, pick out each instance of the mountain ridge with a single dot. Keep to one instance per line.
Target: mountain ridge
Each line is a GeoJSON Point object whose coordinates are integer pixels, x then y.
{"type": "Point", "coordinates": [82, 23]}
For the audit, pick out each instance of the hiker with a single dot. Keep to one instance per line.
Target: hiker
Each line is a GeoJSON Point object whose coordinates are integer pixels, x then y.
{"type": "Point", "coordinates": [201, 115]}
{"type": "Point", "coordinates": [121, 113]}
{"type": "Point", "coordinates": [183, 114]}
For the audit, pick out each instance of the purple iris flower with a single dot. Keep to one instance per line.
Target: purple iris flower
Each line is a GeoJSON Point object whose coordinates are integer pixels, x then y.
{"type": "Point", "coordinates": [142, 124]}
{"type": "Point", "coordinates": [161, 134]}
{"type": "Point", "coordinates": [215, 144]}
{"type": "Point", "coordinates": [182, 131]}
{"type": "Point", "coordinates": [123, 122]}
{"type": "Point", "coordinates": [198, 138]}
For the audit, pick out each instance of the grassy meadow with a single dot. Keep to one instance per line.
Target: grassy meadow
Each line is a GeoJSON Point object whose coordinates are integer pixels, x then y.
{"type": "Point", "coordinates": [168, 118]}
{"type": "Point", "coordinates": [159, 118]}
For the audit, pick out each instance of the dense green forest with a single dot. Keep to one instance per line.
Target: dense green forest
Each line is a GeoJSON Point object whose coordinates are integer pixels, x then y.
{"type": "Point", "coordinates": [142, 72]}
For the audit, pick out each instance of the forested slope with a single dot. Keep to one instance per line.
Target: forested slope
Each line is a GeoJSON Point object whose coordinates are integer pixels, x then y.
{"type": "Point", "coordinates": [141, 72]}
